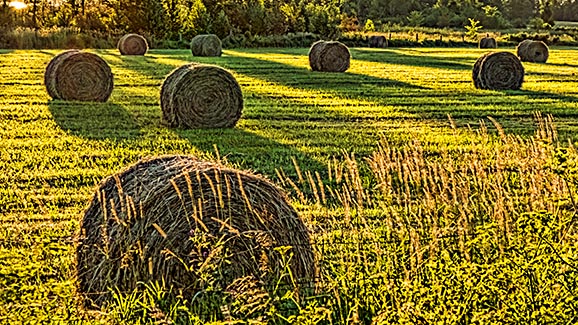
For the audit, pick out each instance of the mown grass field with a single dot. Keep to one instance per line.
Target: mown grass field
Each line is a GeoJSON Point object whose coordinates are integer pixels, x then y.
{"type": "Point", "coordinates": [53, 153]}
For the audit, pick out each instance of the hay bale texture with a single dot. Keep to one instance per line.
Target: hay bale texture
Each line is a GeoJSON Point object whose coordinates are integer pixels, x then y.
{"type": "Point", "coordinates": [133, 44]}
{"type": "Point", "coordinates": [377, 42]}
{"type": "Point", "coordinates": [206, 45]}
{"type": "Point", "coordinates": [160, 216]}
{"type": "Point", "coordinates": [488, 43]}
{"type": "Point", "coordinates": [329, 56]}
{"type": "Point", "coordinates": [77, 75]}
{"type": "Point", "coordinates": [201, 96]}
{"type": "Point", "coordinates": [498, 71]}
{"type": "Point", "coordinates": [533, 51]}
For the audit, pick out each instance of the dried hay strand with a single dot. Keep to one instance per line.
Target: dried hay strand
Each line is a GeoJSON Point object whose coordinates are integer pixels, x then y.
{"type": "Point", "coordinates": [329, 56]}
{"type": "Point", "coordinates": [377, 42]}
{"type": "Point", "coordinates": [498, 71]}
{"type": "Point", "coordinates": [173, 219]}
{"type": "Point", "coordinates": [206, 45]}
{"type": "Point", "coordinates": [488, 43]}
{"type": "Point", "coordinates": [77, 75]}
{"type": "Point", "coordinates": [132, 44]}
{"type": "Point", "coordinates": [201, 96]}
{"type": "Point", "coordinates": [533, 51]}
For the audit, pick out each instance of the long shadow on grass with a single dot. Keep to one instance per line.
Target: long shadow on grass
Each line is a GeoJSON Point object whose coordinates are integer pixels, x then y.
{"type": "Point", "coordinates": [250, 151]}
{"type": "Point", "coordinates": [569, 65]}
{"type": "Point", "coordinates": [94, 120]}
{"type": "Point", "coordinates": [423, 60]}
{"type": "Point", "coordinates": [302, 77]}
{"type": "Point", "coordinates": [544, 95]}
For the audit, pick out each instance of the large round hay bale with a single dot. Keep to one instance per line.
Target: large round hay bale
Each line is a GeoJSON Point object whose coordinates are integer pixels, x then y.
{"type": "Point", "coordinates": [476, 70]}
{"type": "Point", "coordinates": [533, 51]}
{"type": "Point", "coordinates": [206, 45]}
{"type": "Point", "coordinates": [377, 42]}
{"type": "Point", "coordinates": [50, 70]}
{"type": "Point", "coordinates": [133, 44]}
{"type": "Point", "coordinates": [498, 71]}
{"type": "Point", "coordinates": [488, 43]}
{"type": "Point", "coordinates": [171, 219]}
{"type": "Point", "coordinates": [77, 75]}
{"type": "Point", "coordinates": [201, 96]}
{"type": "Point", "coordinates": [329, 56]}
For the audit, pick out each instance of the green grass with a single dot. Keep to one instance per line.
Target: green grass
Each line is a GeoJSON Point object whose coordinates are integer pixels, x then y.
{"type": "Point", "coordinates": [53, 153]}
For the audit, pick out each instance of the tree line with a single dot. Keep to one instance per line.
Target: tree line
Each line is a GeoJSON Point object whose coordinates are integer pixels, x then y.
{"type": "Point", "coordinates": [172, 19]}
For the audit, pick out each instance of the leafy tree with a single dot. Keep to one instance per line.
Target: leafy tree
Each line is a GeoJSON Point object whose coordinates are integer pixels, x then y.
{"type": "Point", "coordinates": [415, 19]}
{"type": "Point", "coordinates": [473, 28]}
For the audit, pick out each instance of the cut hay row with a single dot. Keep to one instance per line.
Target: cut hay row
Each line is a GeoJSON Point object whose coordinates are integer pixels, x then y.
{"type": "Point", "coordinates": [77, 75]}
{"type": "Point", "coordinates": [498, 71]}
{"type": "Point", "coordinates": [161, 216]}
{"type": "Point", "coordinates": [329, 56]}
{"type": "Point", "coordinates": [533, 51]}
{"type": "Point", "coordinates": [201, 96]}
{"type": "Point", "coordinates": [132, 44]}
{"type": "Point", "coordinates": [206, 45]}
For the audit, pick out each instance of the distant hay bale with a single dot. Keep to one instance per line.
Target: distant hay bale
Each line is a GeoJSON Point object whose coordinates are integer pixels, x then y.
{"type": "Point", "coordinates": [533, 51]}
{"type": "Point", "coordinates": [522, 47]}
{"type": "Point", "coordinates": [329, 56]}
{"type": "Point", "coordinates": [377, 42]}
{"type": "Point", "coordinates": [206, 45]}
{"type": "Point", "coordinates": [498, 71]}
{"type": "Point", "coordinates": [488, 43]}
{"type": "Point", "coordinates": [77, 75]}
{"type": "Point", "coordinates": [168, 219]}
{"type": "Point", "coordinates": [201, 96]}
{"type": "Point", "coordinates": [133, 44]}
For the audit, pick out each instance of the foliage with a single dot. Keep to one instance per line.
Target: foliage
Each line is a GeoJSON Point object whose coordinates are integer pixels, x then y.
{"type": "Point", "coordinates": [369, 26]}
{"type": "Point", "coordinates": [473, 28]}
{"type": "Point", "coordinates": [415, 19]}
{"type": "Point", "coordinates": [175, 19]}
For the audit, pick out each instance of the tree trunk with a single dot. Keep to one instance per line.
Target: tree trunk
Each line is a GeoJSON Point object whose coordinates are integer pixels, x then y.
{"type": "Point", "coordinates": [34, 16]}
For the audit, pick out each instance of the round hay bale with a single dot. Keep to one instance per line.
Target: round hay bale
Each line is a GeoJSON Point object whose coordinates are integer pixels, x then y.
{"type": "Point", "coordinates": [533, 51]}
{"type": "Point", "coordinates": [377, 42]}
{"type": "Point", "coordinates": [201, 96]}
{"type": "Point", "coordinates": [206, 45]}
{"type": "Point", "coordinates": [77, 75]}
{"type": "Point", "coordinates": [50, 70]}
{"type": "Point", "coordinates": [133, 44]}
{"type": "Point", "coordinates": [488, 43]}
{"type": "Point", "coordinates": [521, 48]}
{"type": "Point", "coordinates": [170, 219]}
{"type": "Point", "coordinates": [329, 56]}
{"type": "Point", "coordinates": [476, 70]}
{"type": "Point", "coordinates": [498, 71]}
